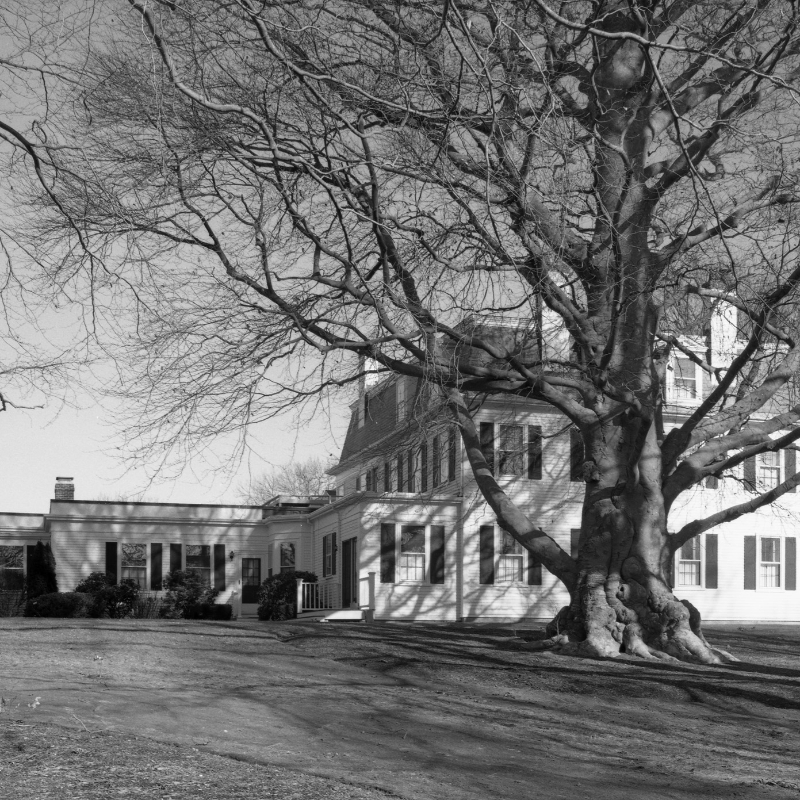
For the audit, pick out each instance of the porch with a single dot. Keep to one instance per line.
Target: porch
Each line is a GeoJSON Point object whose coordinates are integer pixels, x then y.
{"type": "Point", "coordinates": [324, 601]}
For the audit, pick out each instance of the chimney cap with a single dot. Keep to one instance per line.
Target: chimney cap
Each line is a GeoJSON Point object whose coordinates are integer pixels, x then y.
{"type": "Point", "coordinates": [65, 479]}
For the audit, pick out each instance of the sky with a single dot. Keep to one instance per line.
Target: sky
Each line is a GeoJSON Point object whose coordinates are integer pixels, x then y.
{"type": "Point", "coordinates": [82, 442]}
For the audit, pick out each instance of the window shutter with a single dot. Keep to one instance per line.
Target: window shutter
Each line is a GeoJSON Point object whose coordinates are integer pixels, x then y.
{"type": "Point", "coordinates": [219, 567]}
{"type": "Point", "coordinates": [325, 542]}
{"type": "Point", "coordinates": [423, 467]}
{"type": "Point", "coordinates": [749, 562]}
{"type": "Point", "coordinates": [401, 485]}
{"type": "Point", "coordinates": [535, 452]}
{"type": "Point", "coordinates": [487, 553]}
{"type": "Point", "coordinates": [111, 561]}
{"type": "Point", "coordinates": [174, 557]}
{"type": "Point", "coordinates": [334, 551]}
{"type": "Point", "coordinates": [410, 470]}
{"type": "Point", "coordinates": [387, 552]}
{"type": "Point", "coordinates": [156, 566]}
{"type": "Point", "coordinates": [790, 465]}
{"type": "Point", "coordinates": [574, 539]}
{"type": "Point", "coordinates": [712, 544]}
{"type": "Point", "coordinates": [451, 456]}
{"type": "Point", "coordinates": [487, 443]}
{"type": "Point", "coordinates": [534, 570]}
{"type": "Point", "coordinates": [576, 455]}
{"type": "Point", "coordinates": [28, 557]}
{"type": "Point", "coordinates": [387, 477]}
{"type": "Point", "coordinates": [437, 553]}
{"type": "Point", "coordinates": [790, 548]}
{"type": "Point", "coordinates": [750, 474]}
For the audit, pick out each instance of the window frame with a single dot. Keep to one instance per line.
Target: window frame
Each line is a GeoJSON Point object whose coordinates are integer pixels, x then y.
{"type": "Point", "coordinates": [502, 559]}
{"type": "Point", "coordinates": [775, 470]}
{"type": "Point", "coordinates": [700, 560]}
{"type": "Point", "coordinates": [673, 378]}
{"type": "Point", "coordinates": [329, 552]}
{"type": "Point", "coordinates": [287, 568]}
{"type": "Point", "coordinates": [425, 554]}
{"type": "Point", "coordinates": [145, 570]}
{"type": "Point", "coordinates": [760, 563]}
{"type": "Point", "coordinates": [209, 569]}
{"type": "Point", "coordinates": [21, 569]}
{"type": "Point", "coordinates": [514, 454]}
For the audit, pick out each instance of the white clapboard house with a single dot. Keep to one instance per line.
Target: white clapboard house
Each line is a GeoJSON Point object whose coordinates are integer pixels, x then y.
{"type": "Point", "coordinates": [406, 536]}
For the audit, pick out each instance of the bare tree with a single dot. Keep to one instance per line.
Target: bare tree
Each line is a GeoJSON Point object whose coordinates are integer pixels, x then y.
{"type": "Point", "coordinates": [300, 478]}
{"type": "Point", "coordinates": [286, 185]}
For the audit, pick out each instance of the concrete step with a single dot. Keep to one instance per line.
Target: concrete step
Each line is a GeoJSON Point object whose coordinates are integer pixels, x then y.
{"type": "Point", "coordinates": [331, 614]}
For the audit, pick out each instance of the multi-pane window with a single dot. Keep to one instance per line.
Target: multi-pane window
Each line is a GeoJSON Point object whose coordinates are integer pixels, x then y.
{"type": "Point", "coordinates": [770, 562]}
{"type": "Point", "coordinates": [510, 563]}
{"type": "Point", "coordinates": [12, 574]}
{"type": "Point", "coordinates": [198, 560]}
{"type": "Point", "coordinates": [328, 555]}
{"type": "Point", "coordinates": [685, 378]}
{"type": "Point", "coordinates": [412, 553]}
{"type": "Point", "coordinates": [251, 579]}
{"type": "Point", "coordinates": [510, 450]}
{"type": "Point", "coordinates": [287, 557]}
{"type": "Point", "coordinates": [769, 469]}
{"type": "Point", "coordinates": [689, 563]}
{"type": "Point", "coordinates": [134, 563]}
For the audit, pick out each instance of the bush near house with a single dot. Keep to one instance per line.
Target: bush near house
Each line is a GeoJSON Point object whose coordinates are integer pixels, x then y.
{"type": "Point", "coordinates": [60, 604]}
{"type": "Point", "coordinates": [190, 597]}
{"type": "Point", "coordinates": [12, 602]}
{"type": "Point", "coordinates": [277, 597]}
{"type": "Point", "coordinates": [109, 599]}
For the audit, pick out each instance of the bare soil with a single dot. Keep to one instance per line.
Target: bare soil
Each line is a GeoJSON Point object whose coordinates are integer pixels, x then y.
{"type": "Point", "coordinates": [164, 709]}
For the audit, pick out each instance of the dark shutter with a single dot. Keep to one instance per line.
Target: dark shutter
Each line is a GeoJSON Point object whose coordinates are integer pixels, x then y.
{"type": "Point", "coordinates": [410, 471]}
{"type": "Point", "coordinates": [711, 560]}
{"type": "Point", "coordinates": [576, 455]}
{"type": "Point", "coordinates": [749, 562]}
{"type": "Point", "coordinates": [28, 557]}
{"type": "Point", "coordinates": [451, 456]}
{"type": "Point", "coordinates": [174, 557]}
{"type": "Point", "coordinates": [750, 475]}
{"type": "Point", "coordinates": [156, 566]}
{"type": "Point", "coordinates": [111, 561]}
{"type": "Point", "coordinates": [487, 443]}
{"type": "Point", "coordinates": [437, 553]}
{"type": "Point", "coordinates": [436, 462]}
{"type": "Point", "coordinates": [790, 547]}
{"type": "Point", "coordinates": [401, 484]}
{"type": "Point", "coordinates": [534, 570]}
{"type": "Point", "coordinates": [387, 477]}
{"type": "Point", "coordinates": [487, 553]}
{"type": "Point", "coordinates": [790, 466]}
{"type": "Point", "coordinates": [574, 539]}
{"type": "Point", "coordinates": [334, 552]}
{"type": "Point", "coordinates": [535, 452]}
{"type": "Point", "coordinates": [423, 467]}
{"type": "Point", "coordinates": [219, 567]}
{"type": "Point", "coordinates": [387, 552]}
{"type": "Point", "coordinates": [325, 544]}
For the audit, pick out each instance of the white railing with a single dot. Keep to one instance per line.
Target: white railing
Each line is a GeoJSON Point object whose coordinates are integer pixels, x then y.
{"type": "Point", "coordinates": [328, 595]}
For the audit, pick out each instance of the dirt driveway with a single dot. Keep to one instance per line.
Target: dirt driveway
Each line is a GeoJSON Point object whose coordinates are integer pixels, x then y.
{"type": "Point", "coordinates": [421, 711]}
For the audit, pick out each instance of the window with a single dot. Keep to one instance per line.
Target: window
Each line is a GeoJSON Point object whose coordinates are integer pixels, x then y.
{"type": "Point", "coordinates": [685, 378]}
{"type": "Point", "coordinates": [134, 563]}
{"type": "Point", "coordinates": [510, 564]}
{"type": "Point", "coordinates": [770, 562]}
{"type": "Point", "coordinates": [436, 454]}
{"type": "Point", "coordinates": [328, 555]}
{"type": "Point", "coordinates": [287, 557]}
{"type": "Point", "coordinates": [198, 559]}
{"type": "Point", "coordinates": [509, 451]}
{"type": "Point", "coordinates": [12, 574]}
{"type": "Point", "coordinates": [689, 563]}
{"type": "Point", "coordinates": [251, 579]}
{"type": "Point", "coordinates": [769, 470]}
{"type": "Point", "coordinates": [412, 553]}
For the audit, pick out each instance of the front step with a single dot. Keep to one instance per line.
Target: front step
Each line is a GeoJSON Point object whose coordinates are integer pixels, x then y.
{"type": "Point", "coordinates": [326, 614]}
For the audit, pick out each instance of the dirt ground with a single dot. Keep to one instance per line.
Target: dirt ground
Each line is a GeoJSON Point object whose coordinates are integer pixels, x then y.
{"type": "Point", "coordinates": [172, 710]}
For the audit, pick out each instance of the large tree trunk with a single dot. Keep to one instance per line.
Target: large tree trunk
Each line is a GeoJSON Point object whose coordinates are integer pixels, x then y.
{"type": "Point", "coordinates": [623, 600]}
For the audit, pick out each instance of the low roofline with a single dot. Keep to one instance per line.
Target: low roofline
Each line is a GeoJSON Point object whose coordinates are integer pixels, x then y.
{"type": "Point", "coordinates": [138, 503]}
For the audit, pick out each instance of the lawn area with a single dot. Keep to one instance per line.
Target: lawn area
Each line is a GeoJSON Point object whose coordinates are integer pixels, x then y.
{"type": "Point", "coordinates": [172, 709]}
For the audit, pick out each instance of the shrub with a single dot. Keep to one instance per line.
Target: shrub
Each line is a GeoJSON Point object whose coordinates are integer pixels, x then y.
{"type": "Point", "coordinates": [147, 607]}
{"type": "Point", "coordinates": [277, 596]}
{"type": "Point", "coordinates": [12, 602]}
{"type": "Point", "coordinates": [109, 599]}
{"type": "Point", "coordinates": [41, 577]}
{"type": "Point", "coordinates": [60, 604]}
{"type": "Point", "coordinates": [187, 592]}
{"type": "Point", "coordinates": [218, 611]}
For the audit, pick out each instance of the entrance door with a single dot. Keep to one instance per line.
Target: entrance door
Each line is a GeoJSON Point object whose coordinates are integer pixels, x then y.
{"type": "Point", "coordinates": [350, 573]}
{"type": "Point", "coordinates": [251, 579]}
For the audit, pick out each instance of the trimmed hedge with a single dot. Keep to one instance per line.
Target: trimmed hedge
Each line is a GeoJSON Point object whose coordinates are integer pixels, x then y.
{"type": "Point", "coordinates": [277, 596]}
{"type": "Point", "coordinates": [188, 596]}
{"type": "Point", "coordinates": [60, 604]}
{"type": "Point", "coordinates": [109, 599]}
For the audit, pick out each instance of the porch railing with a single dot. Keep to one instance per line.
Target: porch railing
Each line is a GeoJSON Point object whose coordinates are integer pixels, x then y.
{"type": "Point", "coordinates": [328, 595]}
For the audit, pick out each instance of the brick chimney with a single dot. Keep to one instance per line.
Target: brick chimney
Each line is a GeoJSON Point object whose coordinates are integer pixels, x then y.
{"type": "Point", "coordinates": [65, 489]}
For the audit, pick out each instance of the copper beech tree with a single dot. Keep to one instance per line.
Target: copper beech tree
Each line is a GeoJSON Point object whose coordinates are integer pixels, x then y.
{"type": "Point", "coordinates": [253, 193]}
